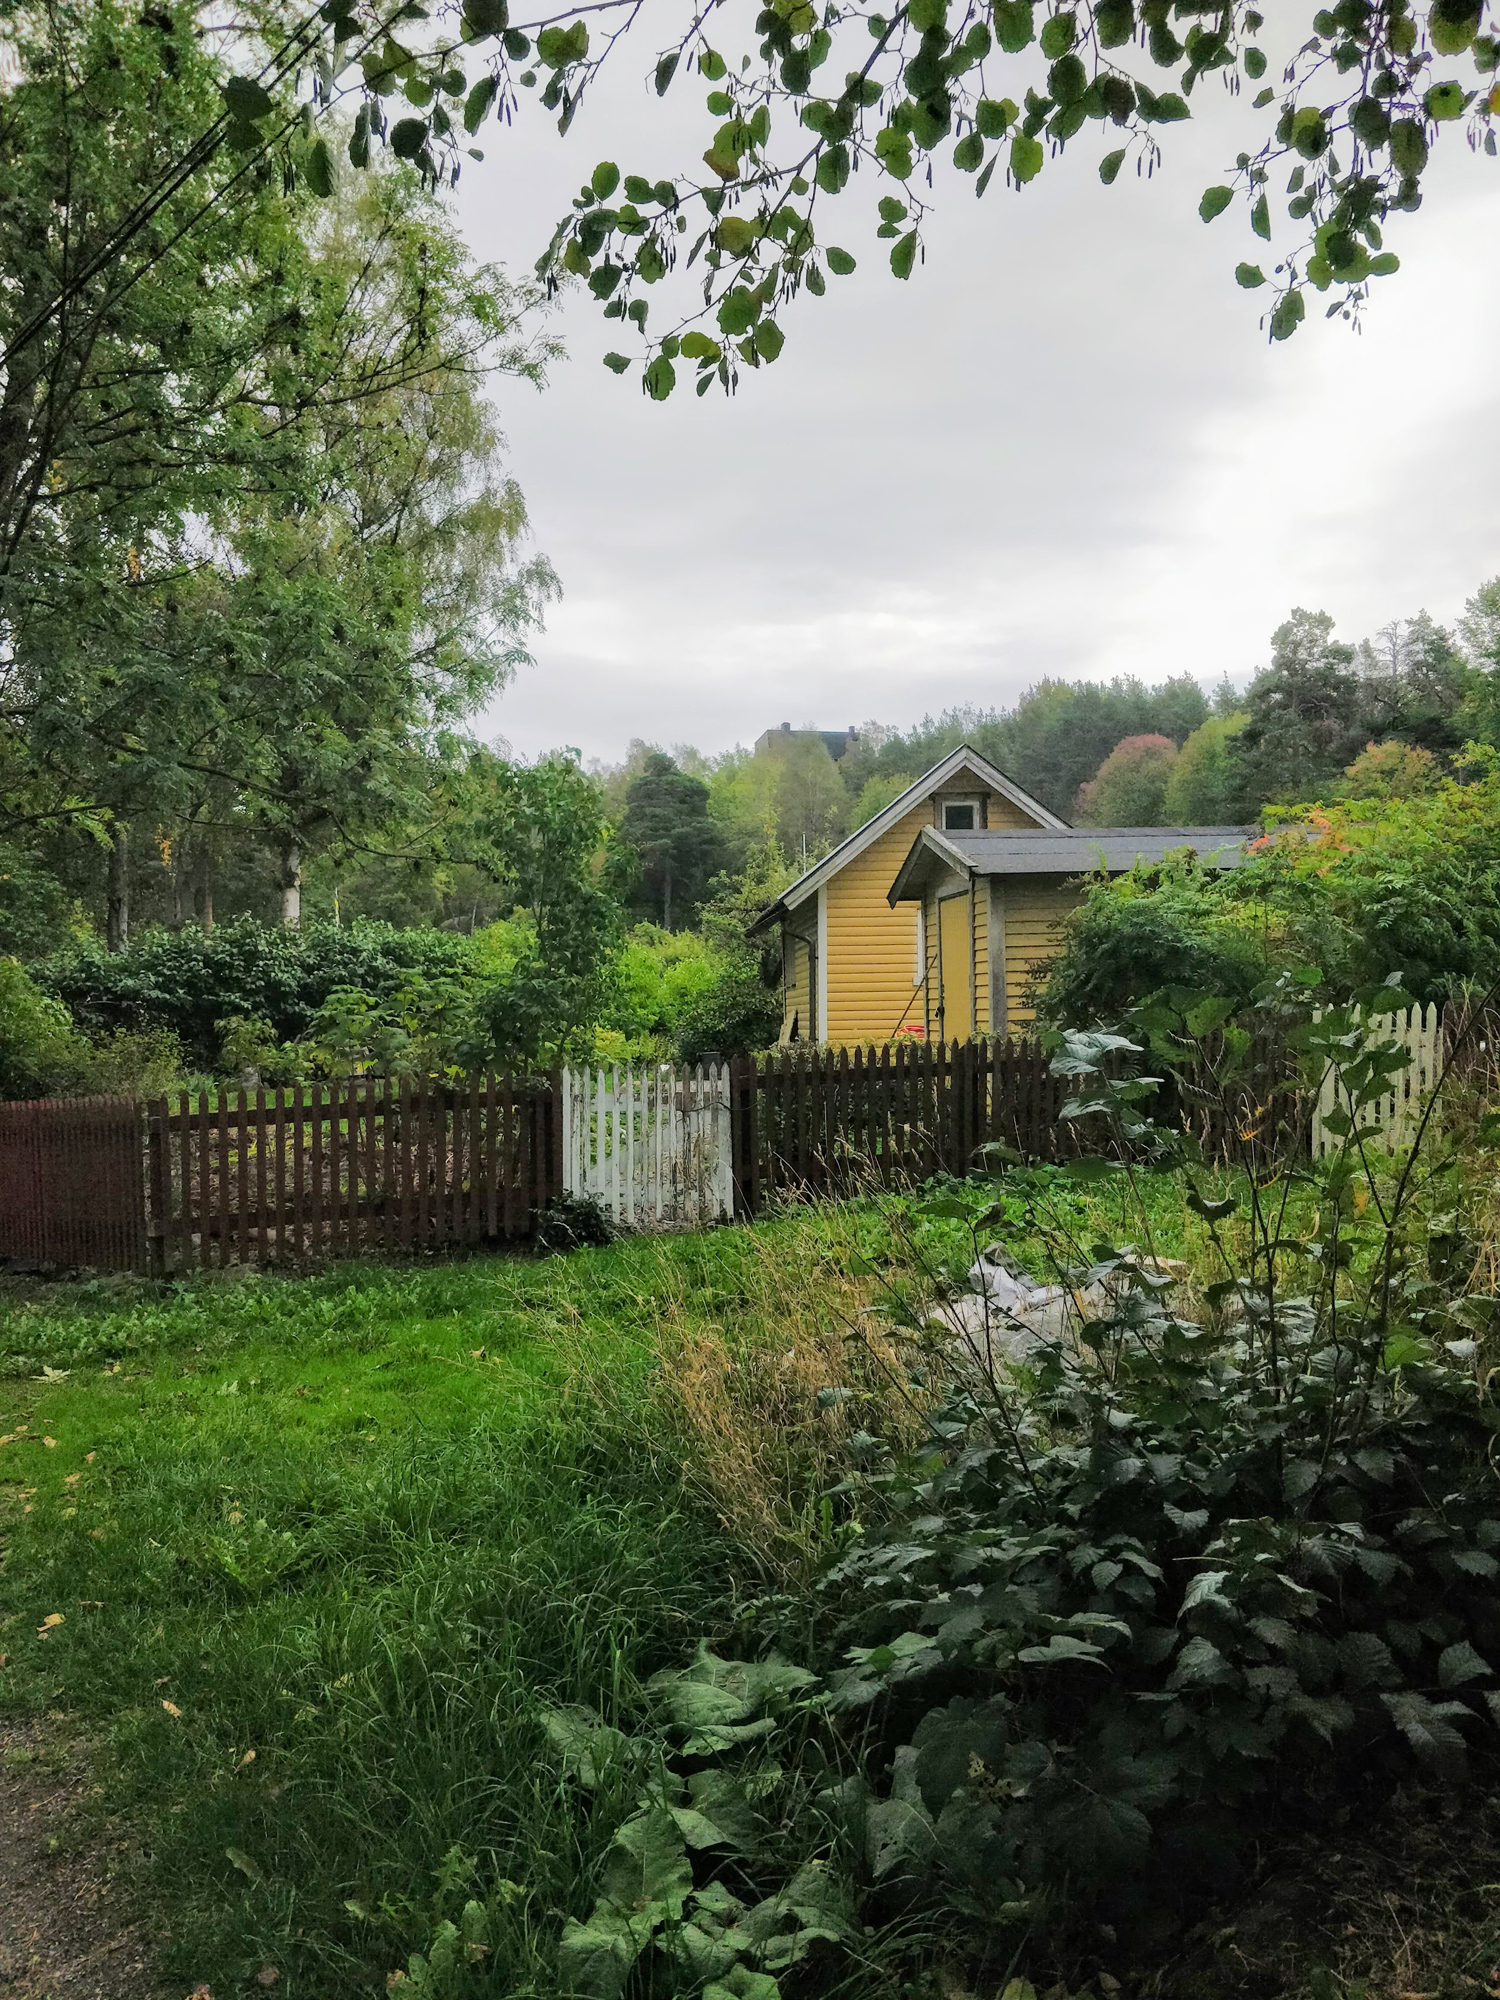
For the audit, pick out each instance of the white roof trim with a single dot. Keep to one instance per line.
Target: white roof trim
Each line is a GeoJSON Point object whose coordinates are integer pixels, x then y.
{"type": "Point", "coordinates": [963, 759]}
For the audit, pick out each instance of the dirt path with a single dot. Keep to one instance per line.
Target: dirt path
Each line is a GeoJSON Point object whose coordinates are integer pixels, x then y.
{"type": "Point", "coordinates": [62, 1936]}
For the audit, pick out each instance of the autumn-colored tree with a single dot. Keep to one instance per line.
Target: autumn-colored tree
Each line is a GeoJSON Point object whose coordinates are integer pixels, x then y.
{"type": "Point", "coordinates": [1130, 786]}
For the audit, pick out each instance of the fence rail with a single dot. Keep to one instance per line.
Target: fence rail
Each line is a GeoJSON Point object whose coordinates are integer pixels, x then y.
{"type": "Point", "coordinates": [372, 1166]}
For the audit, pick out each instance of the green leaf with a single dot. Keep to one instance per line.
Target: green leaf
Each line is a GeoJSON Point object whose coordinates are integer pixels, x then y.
{"type": "Point", "coordinates": [968, 154]}
{"type": "Point", "coordinates": [743, 1984]}
{"type": "Point", "coordinates": [904, 254]}
{"type": "Point", "coordinates": [320, 169]}
{"type": "Point", "coordinates": [1385, 265]}
{"type": "Point", "coordinates": [1367, 1661]}
{"type": "Point", "coordinates": [618, 362]}
{"type": "Point", "coordinates": [1408, 147]}
{"type": "Point", "coordinates": [1025, 158]}
{"type": "Point", "coordinates": [1260, 218]}
{"type": "Point", "coordinates": [698, 347]}
{"type": "Point", "coordinates": [485, 17]}
{"type": "Point", "coordinates": [588, 1745]}
{"type": "Point", "coordinates": [408, 137]}
{"type": "Point", "coordinates": [1444, 100]}
{"type": "Point", "coordinates": [248, 1867]}
{"type": "Point", "coordinates": [1215, 201]}
{"type": "Point", "coordinates": [560, 48]}
{"type": "Point", "coordinates": [737, 235]}
{"type": "Point", "coordinates": [1015, 26]}
{"type": "Point", "coordinates": [1249, 276]}
{"type": "Point", "coordinates": [1404, 1350]}
{"type": "Point", "coordinates": [1115, 22]}
{"type": "Point", "coordinates": [769, 339]}
{"type": "Point", "coordinates": [1452, 25]}
{"type": "Point", "coordinates": [1059, 32]}
{"type": "Point", "coordinates": [594, 1959]}
{"type": "Point", "coordinates": [660, 378]}
{"type": "Point", "coordinates": [605, 179]}
{"type": "Point", "coordinates": [1110, 166]}
{"type": "Point", "coordinates": [666, 69]}
{"type": "Point", "coordinates": [1061, 1649]}
{"type": "Point", "coordinates": [1211, 1211]}
{"type": "Point", "coordinates": [246, 100]}
{"type": "Point", "coordinates": [1459, 1663]}
{"type": "Point", "coordinates": [738, 311]}
{"type": "Point", "coordinates": [647, 1865]}
{"type": "Point", "coordinates": [478, 102]}
{"type": "Point", "coordinates": [839, 262]}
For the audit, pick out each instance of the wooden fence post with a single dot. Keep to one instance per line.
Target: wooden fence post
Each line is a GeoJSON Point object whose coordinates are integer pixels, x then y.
{"type": "Point", "coordinates": [159, 1169]}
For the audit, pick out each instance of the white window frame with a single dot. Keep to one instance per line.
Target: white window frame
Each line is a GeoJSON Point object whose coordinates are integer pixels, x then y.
{"type": "Point", "coordinates": [943, 804]}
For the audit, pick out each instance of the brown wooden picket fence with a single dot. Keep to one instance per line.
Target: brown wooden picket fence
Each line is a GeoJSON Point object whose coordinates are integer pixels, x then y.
{"type": "Point", "coordinates": [371, 1166]}
{"type": "Point", "coordinates": [827, 1121]}
{"type": "Point", "coordinates": [339, 1169]}
{"type": "Point", "coordinates": [71, 1187]}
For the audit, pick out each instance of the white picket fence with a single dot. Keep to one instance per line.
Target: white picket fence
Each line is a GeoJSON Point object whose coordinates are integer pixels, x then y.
{"type": "Point", "coordinates": [1397, 1114]}
{"type": "Point", "coordinates": [654, 1147]}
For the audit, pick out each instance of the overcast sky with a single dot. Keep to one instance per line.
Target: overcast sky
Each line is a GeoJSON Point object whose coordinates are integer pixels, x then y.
{"type": "Point", "coordinates": [1064, 447]}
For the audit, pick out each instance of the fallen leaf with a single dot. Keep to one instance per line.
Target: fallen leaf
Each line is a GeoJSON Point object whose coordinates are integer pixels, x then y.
{"type": "Point", "coordinates": [201, 1993]}
{"type": "Point", "coordinates": [50, 1443]}
{"type": "Point", "coordinates": [251, 1870]}
{"type": "Point", "coordinates": [72, 1479]}
{"type": "Point", "coordinates": [3, 1658]}
{"type": "Point", "coordinates": [53, 1618]}
{"type": "Point", "coordinates": [248, 1758]}
{"type": "Point", "coordinates": [267, 1976]}
{"type": "Point", "coordinates": [172, 1709]}
{"type": "Point", "coordinates": [89, 1457]}
{"type": "Point", "coordinates": [394, 1979]}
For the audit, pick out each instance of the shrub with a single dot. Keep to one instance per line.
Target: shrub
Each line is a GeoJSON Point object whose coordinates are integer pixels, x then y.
{"type": "Point", "coordinates": [1168, 1580]}
{"type": "Point", "coordinates": [1170, 925]}
{"type": "Point", "coordinates": [41, 1053]}
{"type": "Point", "coordinates": [190, 983]}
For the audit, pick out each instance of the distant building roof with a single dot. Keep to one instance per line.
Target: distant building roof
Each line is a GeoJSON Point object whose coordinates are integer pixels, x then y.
{"type": "Point", "coordinates": [1078, 850]}
{"type": "Point", "coordinates": [834, 741]}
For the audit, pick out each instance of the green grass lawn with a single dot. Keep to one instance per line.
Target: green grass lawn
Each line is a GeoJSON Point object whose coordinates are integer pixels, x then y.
{"type": "Point", "coordinates": [320, 1550]}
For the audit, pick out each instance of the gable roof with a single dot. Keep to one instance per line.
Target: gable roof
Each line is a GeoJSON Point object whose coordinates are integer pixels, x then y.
{"type": "Point", "coordinates": [965, 761]}
{"type": "Point", "coordinates": [1074, 850]}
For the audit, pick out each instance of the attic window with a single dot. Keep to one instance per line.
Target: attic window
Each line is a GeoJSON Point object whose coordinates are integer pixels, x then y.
{"type": "Point", "coordinates": [960, 816]}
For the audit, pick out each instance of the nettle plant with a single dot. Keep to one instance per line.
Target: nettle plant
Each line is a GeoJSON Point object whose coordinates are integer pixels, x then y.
{"type": "Point", "coordinates": [1218, 1552]}
{"type": "Point", "coordinates": [1345, 104]}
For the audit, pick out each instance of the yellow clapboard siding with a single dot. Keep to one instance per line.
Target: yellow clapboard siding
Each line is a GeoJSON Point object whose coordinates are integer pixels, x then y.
{"type": "Point", "coordinates": [872, 984]}
{"type": "Point", "coordinates": [1035, 907]}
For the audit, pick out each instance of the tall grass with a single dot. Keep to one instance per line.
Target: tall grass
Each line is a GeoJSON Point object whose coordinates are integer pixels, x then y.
{"type": "Point", "coordinates": [324, 1549]}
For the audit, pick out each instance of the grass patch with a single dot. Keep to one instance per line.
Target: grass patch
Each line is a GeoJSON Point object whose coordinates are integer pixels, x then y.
{"type": "Point", "coordinates": [321, 1548]}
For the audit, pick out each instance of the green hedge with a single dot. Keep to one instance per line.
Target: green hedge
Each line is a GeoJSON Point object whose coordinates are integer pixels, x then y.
{"type": "Point", "coordinates": [186, 982]}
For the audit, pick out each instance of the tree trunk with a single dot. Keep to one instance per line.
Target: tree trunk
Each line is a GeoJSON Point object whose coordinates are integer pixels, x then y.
{"type": "Point", "coordinates": [117, 909]}
{"type": "Point", "coordinates": [203, 891]}
{"type": "Point", "coordinates": [291, 883]}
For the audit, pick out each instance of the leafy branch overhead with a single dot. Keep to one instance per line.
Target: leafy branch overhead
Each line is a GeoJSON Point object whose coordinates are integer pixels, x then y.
{"type": "Point", "coordinates": [800, 99]}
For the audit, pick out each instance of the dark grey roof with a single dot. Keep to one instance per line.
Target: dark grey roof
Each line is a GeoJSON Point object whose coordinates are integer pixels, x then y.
{"type": "Point", "coordinates": [1079, 850]}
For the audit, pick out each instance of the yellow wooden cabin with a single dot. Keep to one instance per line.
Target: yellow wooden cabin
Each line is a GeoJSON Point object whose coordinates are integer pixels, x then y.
{"type": "Point", "coordinates": [936, 919]}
